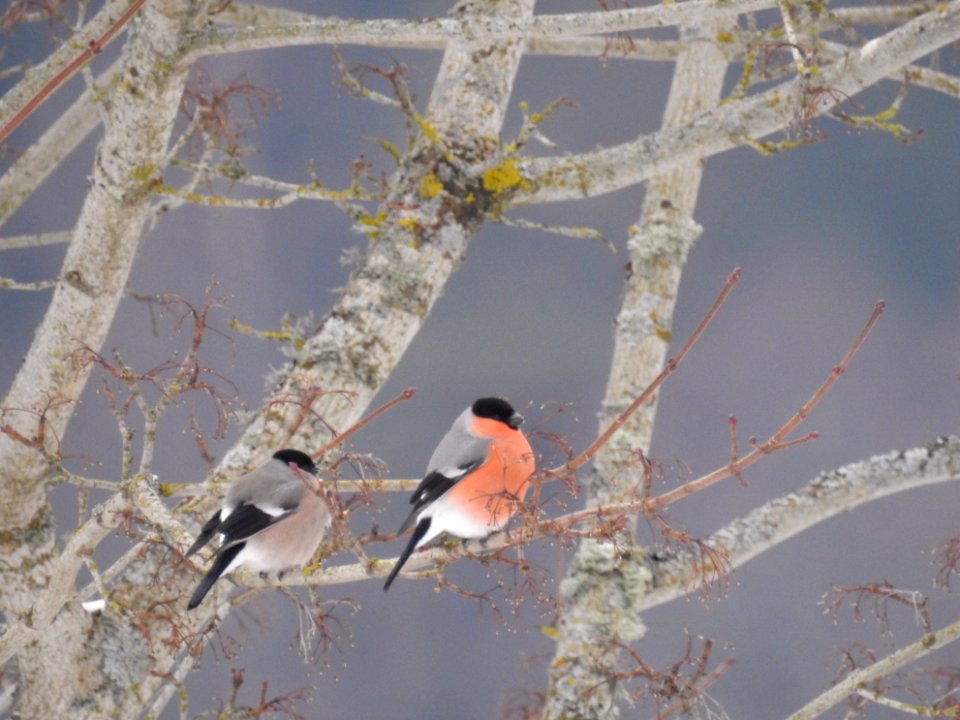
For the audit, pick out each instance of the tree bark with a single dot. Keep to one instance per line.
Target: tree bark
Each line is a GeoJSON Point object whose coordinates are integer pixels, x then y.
{"type": "Point", "coordinates": [63, 675]}
{"type": "Point", "coordinates": [605, 583]}
{"type": "Point", "coordinates": [416, 243]}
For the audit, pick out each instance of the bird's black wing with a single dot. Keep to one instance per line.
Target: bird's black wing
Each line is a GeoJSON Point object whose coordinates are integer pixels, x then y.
{"type": "Point", "coordinates": [244, 522]}
{"type": "Point", "coordinates": [434, 486]}
{"type": "Point", "coordinates": [431, 487]}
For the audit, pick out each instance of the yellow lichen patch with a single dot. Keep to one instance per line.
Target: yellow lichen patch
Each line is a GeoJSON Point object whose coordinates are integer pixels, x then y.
{"type": "Point", "coordinates": [880, 121]}
{"type": "Point", "coordinates": [431, 134]}
{"type": "Point", "coordinates": [388, 147]}
{"type": "Point", "coordinates": [503, 177]}
{"type": "Point", "coordinates": [550, 631]}
{"type": "Point", "coordinates": [373, 220]}
{"type": "Point", "coordinates": [659, 329]}
{"type": "Point", "coordinates": [245, 329]}
{"type": "Point", "coordinates": [724, 36]}
{"type": "Point", "coordinates": [143, 173]}
{"type": "Point", "coordinates": [430, 186]}
{"type": "Point", "coordinates": [890, 112]}
{"type": "Point", "coordinates": [768, 147]}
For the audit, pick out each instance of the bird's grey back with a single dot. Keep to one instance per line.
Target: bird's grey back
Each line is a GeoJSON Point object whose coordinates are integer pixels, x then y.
{"type": "Point", "coordinates": [271, 486]}
{"type": "Point", "coordinates": [459, 449]}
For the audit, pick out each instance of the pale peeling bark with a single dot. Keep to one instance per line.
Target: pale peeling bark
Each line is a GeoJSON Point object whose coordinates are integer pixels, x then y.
{"type": "Point", "coordinates": [76, 668]}
{"type": "Point", "coordinates": [604, 584]}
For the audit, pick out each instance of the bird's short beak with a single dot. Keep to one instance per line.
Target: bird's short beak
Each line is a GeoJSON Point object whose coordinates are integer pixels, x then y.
{"type": "Point", "coordinates": [515, 421]}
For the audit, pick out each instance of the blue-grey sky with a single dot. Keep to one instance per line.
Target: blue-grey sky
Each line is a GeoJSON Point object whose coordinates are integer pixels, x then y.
{"type": "Point", "coordinates": [820, 232]}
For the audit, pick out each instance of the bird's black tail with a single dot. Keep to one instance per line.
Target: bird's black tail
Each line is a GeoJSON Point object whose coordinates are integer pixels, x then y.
{"type": "Point", "coordinates": [220, 563]}
{"type": "Point", "coordinates": [417, 536]}
{"type": "Point", "coordinates": [206, 532]}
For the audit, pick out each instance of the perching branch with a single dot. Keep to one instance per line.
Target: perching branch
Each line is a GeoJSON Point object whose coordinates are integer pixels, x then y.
{"type": "Point", "coordinates": [558, 527]}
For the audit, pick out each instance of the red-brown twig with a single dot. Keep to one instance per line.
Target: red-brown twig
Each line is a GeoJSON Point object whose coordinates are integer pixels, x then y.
{"type": "Point", "coordinates": [668, 370]}
{"type": "Point", "coordinates": [734, 453]}
{"type": "Point", "coordinates": [776, 441]}
{"type": "Point", "coordinates": [649, 505]}
{"type": "Point", "coordinates": [405, 395]}
{"type": "Point", "coordinates": [877, 596]}
{"type": "Point", "coordinates": [94, 47]}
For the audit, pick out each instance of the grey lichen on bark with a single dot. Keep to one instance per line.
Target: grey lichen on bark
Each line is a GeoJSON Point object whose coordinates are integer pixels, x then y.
{"type": "Point", "coordinates": [830, 493]}
{"type": "Point", "coordinates": [415, 244]}
{"type": "Point", "coordinates": [139, 117]}
{"type": "Point", "coordinates": [607, 579]}
{"type": "Point", "coordinates": [743, 121]}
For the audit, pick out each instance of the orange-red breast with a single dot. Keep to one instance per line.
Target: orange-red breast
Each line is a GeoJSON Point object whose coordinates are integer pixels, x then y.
{"type": "Point", "coordinates": [475, 479]}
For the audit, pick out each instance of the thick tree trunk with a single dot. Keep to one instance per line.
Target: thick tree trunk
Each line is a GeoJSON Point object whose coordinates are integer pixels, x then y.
{"type": "Point", "coordinates": [416, 244]}
{"type": "Point", "coordinates": [63, 673]}
{"type": "Point", "coordinates": [604, 584]}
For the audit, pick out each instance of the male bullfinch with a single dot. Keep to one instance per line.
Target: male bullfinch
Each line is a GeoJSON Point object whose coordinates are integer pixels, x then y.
{"type": "Point", "coordinates": [269, 521]}
{"type": "Point", "coordinates": [479, 472]}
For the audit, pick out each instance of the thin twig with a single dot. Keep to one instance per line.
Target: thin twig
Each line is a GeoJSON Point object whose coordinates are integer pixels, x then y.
{"type": "Point", "coordinates": [776, 441]}
{"type": "Point", "coordinates": [861, 678]}
{"type": "Point", "coordinates": [671, 365]}
{"type": "Point", "coordinates": [405, 395]}
{"type": "Point", "coordinates": [94, 47]}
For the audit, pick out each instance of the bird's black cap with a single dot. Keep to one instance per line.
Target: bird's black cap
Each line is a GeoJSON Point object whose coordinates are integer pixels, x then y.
{"type": "Point", "coordinates": [300, 459]}
{"type": "Point", "coordinates": [497, 409]}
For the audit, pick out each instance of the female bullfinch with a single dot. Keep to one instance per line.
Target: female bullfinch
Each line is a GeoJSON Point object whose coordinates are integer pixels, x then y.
{"type": "Point", "coordinates": [479, 472]}
{"type": "Point", "coordinates": [269, 521]}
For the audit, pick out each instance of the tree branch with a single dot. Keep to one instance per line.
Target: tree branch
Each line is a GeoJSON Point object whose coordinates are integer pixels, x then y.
{"type": "Point", "coordinates": [40, 82]}
{"type": "Point", "coordinates": [830, 493]}
{"type": "Point", "coordinates": [891, 663]}
{"type": "Point", "coordinates": [433, 33]}
{"type": "Point", "coordinates": [556, 179]}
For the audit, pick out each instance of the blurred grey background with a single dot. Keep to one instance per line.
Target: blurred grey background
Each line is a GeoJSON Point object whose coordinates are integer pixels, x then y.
{"type": "Point", "coordinates": [820, 232]}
